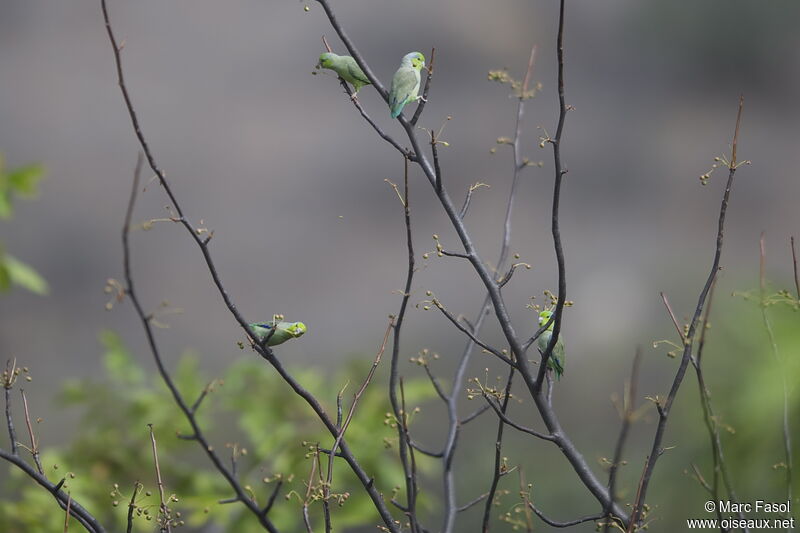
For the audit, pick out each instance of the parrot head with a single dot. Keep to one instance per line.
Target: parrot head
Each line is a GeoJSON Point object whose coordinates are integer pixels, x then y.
{"type": "Point", "coordinates": [415, 60]}
{"type": "Point", "coordinates": [297, 329]}
{"type": "Point", "coordinates": [544, 316]}
{"type": "Point", "coordinates": [326, 60]}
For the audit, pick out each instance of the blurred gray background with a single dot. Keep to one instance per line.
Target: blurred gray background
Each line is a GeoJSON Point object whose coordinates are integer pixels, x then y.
{"type": "Point", "coordinates": [281, 167]}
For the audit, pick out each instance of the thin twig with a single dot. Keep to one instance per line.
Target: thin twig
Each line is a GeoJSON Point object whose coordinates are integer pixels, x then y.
{"type": "Point", "coordinates": [34, 445]}
{"type": "Point", "coordinates": [664, 409]}
{"type": "Point", "coordinates": [260, 347]}
{"type": "Point", "coordinates": [272, 497]}
{"type": "Point", "coordinates": [404, 441]}
{"type": "Point", "coordinates": [476, 501]}
{"type": "Point", "coordinates": [329, 480]}
{"type": "Point", "coordinates": [132, 506]}
{"type": "Point", "coordinates": [568, 523]}
{"type": "Point", "coordinates": [454, 320]}
{"type": "Point", "coordinates": [79, 512]}
{"type": "Point", "coordinates": [494, 296]}
{"type": "Point", "coordinates": [68, 509]}
{"type": "Point", "coordinates": [787, 436]}
{"type": "Point", "coordinates": [8, 383]}
{"type": "Point", "coordinates": [428, 79]}
{"type": "Point", "coordinates": [497, 471]}
{"type": "Point", "coordinates": [672, 316]}
{"type": "Point", "coordinates": [197, 433]}
{"type": "Point", "coordinates": [794, 268]}
{"type": "Point", "coordinates": [162, 509]}
{"type": "Point", "coordinates": [628, 410]}
{"type": "Point", "coordinates": [718, 457]}
{"type": "Point", "coordinates": [474, 414]}
{"type": "Point", "coordinates": [554, 220]}
{"type": "Point", "coordinates": [412, 461]}
{"type": "Point", "coordinates": [501, 414]}
{"type": "Point", "coordinates": [423, 450]}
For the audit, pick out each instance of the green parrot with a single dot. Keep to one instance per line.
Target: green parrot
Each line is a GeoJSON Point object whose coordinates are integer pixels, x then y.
{"type": "Point", "coordinates": [556, 360]}
{"type": "Point", "coordinates": [405, 83]}
{"type": "Point", "coordinates": [347, 68]}
{"type": "Point", "coordinates": [283, 331]}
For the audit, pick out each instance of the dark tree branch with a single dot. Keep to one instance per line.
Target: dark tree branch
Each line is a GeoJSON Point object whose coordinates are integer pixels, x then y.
{"type": "Point", "coordinates": [428, 79]}
{"type": "Point", "coordinates": [794, 269]}
{"type": "Point", "coordinates": [259, 346]}
{"type": "Point", "coordinates": [454, 320]}
{"type": "Point", "coordinates": [9, 377]}
{"type": "Point", "coordinates": [569, 523]}
{"type": "Point", "coordinates": [664, 409]}
{"type": "Point", "coordinates": [329, 481]}
{"type": "Point", "coordinates": [78, 512]}
{"type": "Point", "coordinates": [404, 440]}
{"type": "Point", "coordinates": [787, 438]}
{"type": "Point", "coordinates": [435, 382]}
{"type": "Point", "coordinates": [717, 455]}
{"type": "Point", "coordinates": [163, 511]}
{"type": "Point", "coordinates": [472, 188]}
{"type": "Point", "coordinates": [423, 450]}
{"type": "Point", "coordinates": [272, 497]}
{"type": "Point", "coordinates": [555, 228]}
{"type": "Point", "coordinates": [628, 413]}
{"type": "Point", "coordinates": [501, 414]}
{"type": "Point", "coordinates": [582, 469]}
{"type": "Point", "coordinates": [411, 461]}
{"type": "Point", "coordinates": [474, 414]}
{"type": "Point", "coordinates": [34, 445]}
{"type": "Point", "coordinates": [137, 487]}
{"type": "Point", "coordinates": [497, 472]}
{"type": "Point", "coordinates": [130, 290]}
{"type": "Point", "coordinates": [476, 501]}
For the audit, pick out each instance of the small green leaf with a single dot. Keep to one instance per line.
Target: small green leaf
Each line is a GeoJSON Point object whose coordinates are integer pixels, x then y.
{"type": "Point", "coordinates": [25, 180]}
{"type": "Point", "coordinates": [5, 276]}
{"type": "Point", "coordinates": [6, 210]}
{"type": "Point", "coordinates": [23, 275]}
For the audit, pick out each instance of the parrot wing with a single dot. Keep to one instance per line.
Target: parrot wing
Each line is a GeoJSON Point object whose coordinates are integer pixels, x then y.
{"type": "Point", "coordinates": [356, 73]}
{"type": "Point", "coordinates": [405, 85]}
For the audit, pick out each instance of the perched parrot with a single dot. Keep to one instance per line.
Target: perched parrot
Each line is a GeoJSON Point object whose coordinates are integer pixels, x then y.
{"type": "Point", "coordinates": [556, 360]}
{"type": "Point", "coordinates": [347, 68]}
{"type": "Point", "coordinates": [405, 83]}
{"type": "Point", "coordinates": [283, 331]}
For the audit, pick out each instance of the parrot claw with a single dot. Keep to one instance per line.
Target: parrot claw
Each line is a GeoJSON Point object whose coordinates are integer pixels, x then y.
{"type": "Point", "coordinates": [422, 99]}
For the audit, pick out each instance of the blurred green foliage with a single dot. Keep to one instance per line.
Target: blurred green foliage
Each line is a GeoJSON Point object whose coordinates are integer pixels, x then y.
{"type": "Point", "coordinates": [251, 410]}
{"type": "Point", "coordinates": [21, 182]}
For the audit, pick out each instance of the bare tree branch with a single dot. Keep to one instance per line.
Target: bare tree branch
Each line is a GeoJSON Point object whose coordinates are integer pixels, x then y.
{"type": "Point", "coordinates": [428, 79]}
{"type": "Point", "coordinates": [794, 269]}
{"type": "Point", "coordinates": [628, 411]}
{"type": "Point", "coordinates": [664, 409]}
{"type": "Point", "coordinates": [163, 510]}
{"type": "Point", "coordinates": [78, 512]}
{"type": "Point", "coordinates": [717, 455]}
{"type": "Point", "coordinates": [137, 487]}
{"type": "Point", "coordinates": [329, 481]}
{"type": "Point", "coordinates": [404, 440]}
{"type": "Point", "coordinates": [34, 449]}
{"type": "Point", "coordinates": [787, 438]}
{"type": "Point", "coordinates": [9, 377]}
{"type": "Point", "coordinates": [260, 346]}
{"type": "Point", "coordinates": [568, 523]}
{"type": "Point", "coordinates": [497, 471]}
